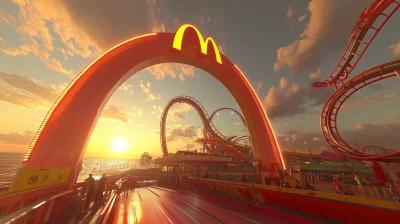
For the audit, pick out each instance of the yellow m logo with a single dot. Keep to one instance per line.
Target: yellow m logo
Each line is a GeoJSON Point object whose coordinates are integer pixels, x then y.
{"type": "Point", "coordinates": [177, 44]}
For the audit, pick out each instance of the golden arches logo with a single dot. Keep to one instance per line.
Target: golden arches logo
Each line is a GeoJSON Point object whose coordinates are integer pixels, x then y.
{"type": "Point", "coordinates": [177, 44]}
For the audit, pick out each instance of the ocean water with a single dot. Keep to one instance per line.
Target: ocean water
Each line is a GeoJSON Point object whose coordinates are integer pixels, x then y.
{"type": "Point", "coordinates": [10, 162]}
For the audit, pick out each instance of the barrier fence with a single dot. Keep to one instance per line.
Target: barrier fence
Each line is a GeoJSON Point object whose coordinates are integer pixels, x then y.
{"type": "Point", "coordinates": [344, 208]}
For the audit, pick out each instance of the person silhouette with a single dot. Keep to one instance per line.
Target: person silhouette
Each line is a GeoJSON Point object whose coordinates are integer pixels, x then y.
{"type": "Point", "coordinates": [90, 191]}
{"type": "Point", "coordinates": [100, 189]}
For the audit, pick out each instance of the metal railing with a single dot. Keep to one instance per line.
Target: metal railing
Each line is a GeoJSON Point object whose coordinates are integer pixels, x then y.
{"type": "Point", "coordinates": [46, 205]}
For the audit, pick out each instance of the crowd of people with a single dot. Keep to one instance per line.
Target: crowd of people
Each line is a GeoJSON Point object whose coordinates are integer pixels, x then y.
{"type": "Point", "coordinates": [338, 182]}
{"type": "Point", "coordinates": [333, 182]}
{"type": "Point", "coordinates": [343, 183]}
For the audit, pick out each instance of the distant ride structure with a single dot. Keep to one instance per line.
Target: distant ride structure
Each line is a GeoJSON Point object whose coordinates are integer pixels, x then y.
{"type": "Point", "coordinates": [360, 40]}
{"type": "Point", "coordinates": [146, 161]}
{"type": "Point", "coordinates": [212, 137]}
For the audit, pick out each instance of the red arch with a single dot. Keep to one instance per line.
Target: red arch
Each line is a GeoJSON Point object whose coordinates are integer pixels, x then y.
{"type": "Point", "coordinates": [64, 134]}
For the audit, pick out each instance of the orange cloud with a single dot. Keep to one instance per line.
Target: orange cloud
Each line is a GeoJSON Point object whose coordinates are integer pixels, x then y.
{"type": "Point", "coordinates": [384, 135]}
{"type": "Point", "coordinates": [146, 89]}
{"type": "Point", "coordinates": [285, 100]}
{"type": "Point", "coordinates": [27, 92]}
{"type": "Point", "coordinates": [302, 17]}
{"type": "Point", "coordinates": [16, 138]}
{"type": "Point", "coordinates": [34, 48]}
{"type": "Point", "coordinates": [368, 100]}
{"type": "Point", "coordinates": [315, 75]}
{"type": "Point", "coordinates": [290, 11]}
{"type": "Point", "coordinates": [175, 70]}
{"type": "Point", "coordinates": [127, 88]}
{"type": "Point", "coordinates": [396, 49]}
{"type": "Point", "coordinates": [259, 85]}
{"type": "Point", "coordinates": [114, 113]}
{"type": "Point", "coordinates": [328, 28]}
{"type": "Point", "coordinates": [179, 110]}
{"type": "Point", "coordinates": [189, 132]}
{"type": "Point", "coordinates": [76, 25]}
{"type": "Point", "coordinates": [6, 18]}
{"type": "Point", "coordinates": [136, 112]}
{"type": "Point", "coordinates": [289, 99]}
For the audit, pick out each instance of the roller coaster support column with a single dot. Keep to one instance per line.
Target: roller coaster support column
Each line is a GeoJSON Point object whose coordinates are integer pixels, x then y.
{"type": "Point", "coordinates": [379, 172]}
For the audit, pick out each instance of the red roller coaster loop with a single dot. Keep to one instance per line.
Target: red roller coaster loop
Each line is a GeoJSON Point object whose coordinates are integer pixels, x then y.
{"type": "Point", "coordinates": [359, 42]}
{"type": "Point", "coordinates": [332, 106]}
{"type": "Point", "coordinates": [209, 129]}
{"type": "Point", "coordinates": [245, 139]}
{"type": "Point", "coordinates": [345, 89]}
{"type": "Point", "coordinates": [230, 109]}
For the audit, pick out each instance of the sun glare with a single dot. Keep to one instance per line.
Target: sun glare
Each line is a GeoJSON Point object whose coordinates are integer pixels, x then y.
{"type": "Point", "coordinates": [120, 145]}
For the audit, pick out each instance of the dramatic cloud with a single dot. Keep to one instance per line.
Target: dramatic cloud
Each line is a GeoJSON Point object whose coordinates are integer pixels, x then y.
{"type": "Point", "coordinates": [291, 139]}
{"type": "Point", "coordinates": [29, 93]}
{"type": "Point", "coordinates": [127, 88]}
{"type": "Point", "coordinates": [290, 99]}
{"type": "Point", "coordinates": [114, 113]}
{"type": "Point", "coordinates": [315, 75]}
{"type": "Point", "coordinates": [136, 112]}
{"type": "Point", "coordinates": [85, 29]}
{"type": "Point", "coordinates": [384, 135]}
{"type": "Point", "coordinates": [16, 138]}
{"type": "Point", "coordinates": [301, 18]}
{"type": "Point", "coordinates": [368, 100]}
{"type": "Point", "coordinates": [179, 110]}
{"type": "Point", "coordinates": [179, 132]}
{"type": "Point", "coordinates": [396, 49]}
{"type": "Point", "coordinates": [290, 11]}
{"type": "Point", "coordinates": [285, 100]}
{"type": "Point", "coordinates": [174, 70]}
{"type": "Point", "coordinates": [328, 30]}
{"type": "Point", "coordinates": [31, 29]}
{"type": "Point", "coordinates": [6, 18]}
{"type": "Point", "coordinates": [145, 86]}
{"type": "Point", "coordinates": [156, 110]}
{"type": "Point", "coordinates": [259, 85]}
{"type": "Point", "coordinates": [26, 92]}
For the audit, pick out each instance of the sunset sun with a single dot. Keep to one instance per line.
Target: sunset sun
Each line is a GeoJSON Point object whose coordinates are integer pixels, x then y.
{"type": "Point", "coordinates": [120, 145]}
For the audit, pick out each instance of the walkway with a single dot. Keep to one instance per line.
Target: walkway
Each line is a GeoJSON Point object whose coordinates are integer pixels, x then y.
{"type": "Point", "coordinates": [161, 205]}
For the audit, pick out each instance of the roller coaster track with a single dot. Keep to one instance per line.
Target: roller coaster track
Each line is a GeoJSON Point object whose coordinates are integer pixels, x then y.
{"type": "Point", "coordinates": [245, 139]}
{"type": "Point", "coordinates": [359, 40]}
{"type": "Point", "coordinates": [331, 109]}
{"type": "Point", "coordinates": [209, 129]}
{"type": "Point", "coordinates": [345, 89]}
{"type": "Point", "coordinates": [377, 149]}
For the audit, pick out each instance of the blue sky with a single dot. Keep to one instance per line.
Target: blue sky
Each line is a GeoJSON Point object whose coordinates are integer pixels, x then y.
{"type": "Point", "coordinates": [277, 44]}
